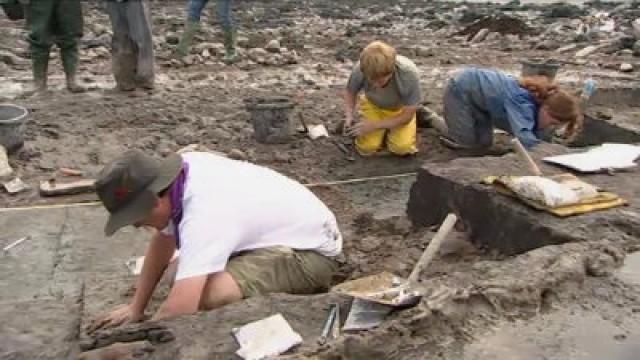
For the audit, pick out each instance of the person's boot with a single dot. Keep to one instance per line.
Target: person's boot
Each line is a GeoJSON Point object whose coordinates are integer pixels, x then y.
{"type": "Point", "coordinates": [40, 65]}
{"type": "Point", "coordinates": [184, 45]}
{"type": "Point", "coordinates": [230, 54]}
{"type": "Point", "coordinates": [70, 65]}
{"type": "Point", "coordinates": [72, 84]}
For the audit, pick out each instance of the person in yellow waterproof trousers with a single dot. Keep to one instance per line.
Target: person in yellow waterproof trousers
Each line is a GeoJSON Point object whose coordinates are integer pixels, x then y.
{"type": "Point", "coordinates": [391, 96]}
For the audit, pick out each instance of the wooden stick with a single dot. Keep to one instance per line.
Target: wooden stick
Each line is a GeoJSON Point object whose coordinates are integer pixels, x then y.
{"type": "Point", "coordinates": [50, 206]}
{"type": "Point", "coordinates": [5, 169]}
{"type": "Point", "coordinates": [434, 246]}
{"type": "Point", "coordinates": [310, 185]}
{"type": "Point", "coordinates": [54, 188]}
{"type": "Point", "coordinates": [359, 180]}
{"type": "Point", "coordinates": [533, 167]}
{"type": "Point", "coordinates": [14, 244]}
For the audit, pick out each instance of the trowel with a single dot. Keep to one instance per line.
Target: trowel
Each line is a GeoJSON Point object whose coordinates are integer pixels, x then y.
{"type": "Point", "coordinates": [391, 290]}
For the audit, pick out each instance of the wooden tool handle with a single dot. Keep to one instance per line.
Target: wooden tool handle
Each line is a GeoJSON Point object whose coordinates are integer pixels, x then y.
{"type": "Point", "coordinates": [533, 167]}
{"type": "Point", "coordinates": [434, 246]}
{"type": "Point", "coordinates": [5, 169]}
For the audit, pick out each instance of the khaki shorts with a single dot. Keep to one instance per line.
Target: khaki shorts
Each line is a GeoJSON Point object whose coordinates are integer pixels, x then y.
{"type": "Point", "coordinates": [281, 269]}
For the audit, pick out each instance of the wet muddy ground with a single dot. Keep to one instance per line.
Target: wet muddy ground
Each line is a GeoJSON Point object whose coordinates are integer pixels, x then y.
{"type": "Point", "coordinates": [479, 304]}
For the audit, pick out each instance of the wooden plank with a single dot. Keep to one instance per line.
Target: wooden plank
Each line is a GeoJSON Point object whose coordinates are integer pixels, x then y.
{"type": "Point", "coordinates": [55, 188]}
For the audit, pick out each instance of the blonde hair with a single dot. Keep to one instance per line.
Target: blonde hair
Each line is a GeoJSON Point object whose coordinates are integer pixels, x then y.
{"type": "Point", "coordinates": [559, 103]}
{"type": "Point", "coordinates": [377, 60]}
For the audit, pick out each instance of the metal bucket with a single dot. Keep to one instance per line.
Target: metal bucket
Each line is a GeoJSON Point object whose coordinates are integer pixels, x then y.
{"type": "Point", "coordinates": [12, 120]}
{"type": "Point", "coordinates": [270, 118]}
{"type": "Point", "coordinates": [546, 67]}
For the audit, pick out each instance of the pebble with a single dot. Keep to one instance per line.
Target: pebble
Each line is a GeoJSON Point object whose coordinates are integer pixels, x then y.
{"type": "Point", "coordinates": [626, 67]}
{"type": "Point", "coordinates": [237, 154]}
{"type": "Point", "coordinates": [480, 36]}
{"type": "Point", "coordinates": [273, 46]}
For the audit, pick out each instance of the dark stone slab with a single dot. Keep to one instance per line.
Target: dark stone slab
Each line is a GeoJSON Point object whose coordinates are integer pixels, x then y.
{"type": "Point", "coordinates": [500, 222]}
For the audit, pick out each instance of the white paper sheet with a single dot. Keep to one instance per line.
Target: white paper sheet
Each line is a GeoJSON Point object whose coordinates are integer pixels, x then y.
{"type": "Point", "coordinates": [604, 157]}
{"type": "Point", "coordinates": [267, 337]}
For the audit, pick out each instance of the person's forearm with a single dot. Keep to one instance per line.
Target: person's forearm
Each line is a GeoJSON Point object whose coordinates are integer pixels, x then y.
{"type": "Point", "coordinates": [393, 122]}
{"type": "Point", "coordinates": [349, 104]}
{"type": "Point", "coordinates": [156, 259]}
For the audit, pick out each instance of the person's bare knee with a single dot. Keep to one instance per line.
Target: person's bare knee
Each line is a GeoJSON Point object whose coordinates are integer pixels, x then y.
{"type": "Point", "coordinates": [221, 289]}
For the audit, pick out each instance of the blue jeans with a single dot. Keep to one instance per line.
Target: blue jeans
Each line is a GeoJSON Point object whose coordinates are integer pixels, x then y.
{"type": "Point", "coordinates": [467, 125]}
{"type": "Point", "coordinates": [195, 7]}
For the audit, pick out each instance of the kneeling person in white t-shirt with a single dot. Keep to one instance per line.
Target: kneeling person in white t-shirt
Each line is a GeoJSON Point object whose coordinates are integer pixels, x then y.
{"type": "Point", "coordinates": [241, 230]}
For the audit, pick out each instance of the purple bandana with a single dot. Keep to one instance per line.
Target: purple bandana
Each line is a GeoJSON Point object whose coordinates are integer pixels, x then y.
{"type": "Point", "coordinates": [176, 193]}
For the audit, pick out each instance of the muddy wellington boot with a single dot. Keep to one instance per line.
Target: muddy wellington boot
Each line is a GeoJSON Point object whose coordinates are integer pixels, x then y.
{"type": "Point", "coordinates": [40, 65]}
{"type": "Point", "coordinates": [184, 45]}
{"type": "Point", "coordinates": [230, 55]}
{"type": "Point", "coordinates": [70, 64]}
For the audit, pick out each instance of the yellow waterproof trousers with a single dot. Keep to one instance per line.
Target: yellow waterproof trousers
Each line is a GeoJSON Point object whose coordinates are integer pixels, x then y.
{"type": "Point", "coordinates": [400, 141]}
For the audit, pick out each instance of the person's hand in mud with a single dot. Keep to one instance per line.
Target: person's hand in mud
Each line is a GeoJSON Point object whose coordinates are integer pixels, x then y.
{"type": "Point", "coordinates": [346, 125]}
{"type": "Point", "coordinates": [123, 314]}
{"type": "Point", "coordinates": [362, 128]}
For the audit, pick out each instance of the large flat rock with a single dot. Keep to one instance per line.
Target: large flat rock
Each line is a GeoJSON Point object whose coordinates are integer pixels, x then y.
{"type": "Point", "coordinates": [503, 223]}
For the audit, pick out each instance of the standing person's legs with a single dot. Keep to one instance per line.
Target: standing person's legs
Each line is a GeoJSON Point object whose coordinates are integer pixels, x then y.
{"type": "Point", "coordinates": [123, 56]}
{"type": "Point", "coordinates": [69, 23]}
{"type": "Point", "coordinates": [226, 22]}
{"type": "Point", "coordinates": [139, 22]}
{"type": "Point", "coordinates": [194, 11]}
{"type": "Point", "coordinates": [40, 16]}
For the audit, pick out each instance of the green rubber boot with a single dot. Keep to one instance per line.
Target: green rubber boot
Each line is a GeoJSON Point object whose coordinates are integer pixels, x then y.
{"type": "Point", "coordinates": [40, 69]}
{"type": "Point", "coordinates": [184, 45]}
{"type": "Point", "coordinates": [230, 55]}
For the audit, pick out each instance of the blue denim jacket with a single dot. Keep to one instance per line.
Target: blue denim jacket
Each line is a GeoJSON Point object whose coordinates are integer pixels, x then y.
{"type": "Point", "coordinates": [499, 97]}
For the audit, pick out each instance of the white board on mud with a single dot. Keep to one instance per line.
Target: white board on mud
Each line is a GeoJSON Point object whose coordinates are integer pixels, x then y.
{"type": "Point", "coordinates": [604, 157]}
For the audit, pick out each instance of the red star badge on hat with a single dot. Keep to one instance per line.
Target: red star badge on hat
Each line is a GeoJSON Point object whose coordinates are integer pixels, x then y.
{"type": "Point", "coordinates": [123, 190]}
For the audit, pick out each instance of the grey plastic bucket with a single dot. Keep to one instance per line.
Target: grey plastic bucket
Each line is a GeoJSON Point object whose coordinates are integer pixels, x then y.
{"type": "Point", "coordinates": [544, 67]}
{"type": "Point", "coordinates": [12, 120]}
{"type": "Point", "coordinates": [270, 118]}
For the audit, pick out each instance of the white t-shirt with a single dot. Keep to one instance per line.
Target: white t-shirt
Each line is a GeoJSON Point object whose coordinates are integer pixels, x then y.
{"type": "Point", "coordinates": [231, 206]}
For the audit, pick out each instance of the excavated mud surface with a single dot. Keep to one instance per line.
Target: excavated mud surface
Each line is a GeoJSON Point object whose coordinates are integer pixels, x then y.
{"type": "Point", "coordinates": [67, 272]}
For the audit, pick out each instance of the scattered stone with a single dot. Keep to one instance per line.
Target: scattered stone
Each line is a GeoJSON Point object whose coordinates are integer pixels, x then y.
{"type": "Point", "coordinates": [189, 60]}
{"type": "Point", "coordinates": [237, 154]}
{"type": "Point", "coordinates": [493, 36]}
{"type": "Point", "coordinates": [273, 46]}
{"type": "Point", "coordinates": [99, 29]}
{"type": "Point", "coordinates": [258, 55]}
{"type": "Point", "coordinates": [218, 134]}
{"type": "Point", "coordinates": [587, 51]}
{"type": "Point", "coordinates": [370, 243]}
{"type": "Point", "coordinates": [626, 67]}
{"type": "Point", "coordinates": [172, 39]}
{"type": "Point", "coordinates": [604, 114]}
{"type": "Point", "coordinates": [213, 48]}
{"type": "Point", "coordinates": [480, 36]}
{"type": "Point", "coordinates": [10, 58]}
{"type": "Point", "coordinates": [567, 48]}
{"type": "Point", "coordinates": [242, 41]}
{"type": "Point", "coordinates": [547, 44]}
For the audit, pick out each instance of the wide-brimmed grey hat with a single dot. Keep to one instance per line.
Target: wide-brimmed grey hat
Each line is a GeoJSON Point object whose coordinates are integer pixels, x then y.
{"type": "Point", "coordinates": [129, 185]}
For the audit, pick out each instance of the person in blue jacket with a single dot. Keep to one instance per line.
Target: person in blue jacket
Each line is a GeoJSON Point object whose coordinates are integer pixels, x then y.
{"type": "Point", "coordinates": [479, 100]}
